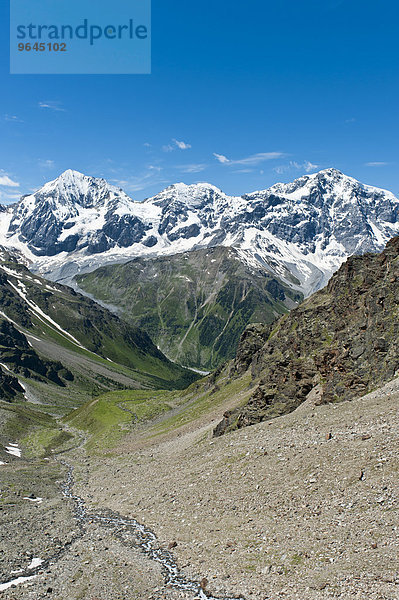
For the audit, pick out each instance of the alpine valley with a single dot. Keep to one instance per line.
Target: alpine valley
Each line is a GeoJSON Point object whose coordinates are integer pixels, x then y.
{"type": "Point", "coordinates": [285, 243]}
{"type": "Point", "coordinates": [128, 475]}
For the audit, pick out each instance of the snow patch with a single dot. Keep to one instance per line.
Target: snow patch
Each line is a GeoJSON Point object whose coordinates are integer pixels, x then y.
{"type": "Point", "coordinates": [36, 500]}
{"type": "Point", "coordinates": [35, 562]}
{"type": "Point", "coordinates": [15, 582]}
{"type": "Point", "coordinates": [14, 450]}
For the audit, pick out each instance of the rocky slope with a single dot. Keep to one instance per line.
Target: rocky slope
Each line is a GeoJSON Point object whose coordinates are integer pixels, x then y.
{"type": "Point", "coordinates": [194, 305]}
{"type": "Point", "coordinates": [58, 315]}
{"type": "Point", "coordinates": [302, 507]}
{"type": "Point", "coordinates": [338, 344]}
{"type": "Point", "coordinates": [300, 232]}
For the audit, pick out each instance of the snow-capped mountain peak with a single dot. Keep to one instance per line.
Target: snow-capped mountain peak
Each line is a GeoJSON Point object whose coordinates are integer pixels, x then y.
{"type": "Point", "coordinates": [194, 195]}
{"type": "Point", "coordinates": [301, 231]}
{"type": "Point", "coordinates": [72, 187]}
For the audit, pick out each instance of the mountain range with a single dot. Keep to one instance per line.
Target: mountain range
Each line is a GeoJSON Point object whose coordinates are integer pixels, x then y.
{"type": "Point", "coordinates": [86, 396]}
{"type": "Point", "coordinates": [300, 232]}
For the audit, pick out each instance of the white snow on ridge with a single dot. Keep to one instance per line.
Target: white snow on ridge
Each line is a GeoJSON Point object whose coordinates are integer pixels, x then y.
{"type": "Point", "coordinates": [42, 315]}
{"type": "Point", "coordinates": [301, 229]}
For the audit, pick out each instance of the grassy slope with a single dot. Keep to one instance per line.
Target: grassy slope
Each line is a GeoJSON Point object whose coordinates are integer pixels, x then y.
{"type": "Point", "coordinates": [194, 305]}
{"type": "Point", "coordinates": [36, 431]}
{"type": "Point", "coordinates": [109, 418]}
{"type": "Point", "coordinates": [100, 335]}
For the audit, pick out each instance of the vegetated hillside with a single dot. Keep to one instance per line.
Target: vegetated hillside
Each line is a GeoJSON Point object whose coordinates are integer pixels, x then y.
{"type": "Point", "coordinates": [194, 305]}
{"type": "Point", "coordinates": [339, 344]}
{"type": "Point", "coordinates": [74, 322]}
{"type": "Point", "coordinates": [18, 357]}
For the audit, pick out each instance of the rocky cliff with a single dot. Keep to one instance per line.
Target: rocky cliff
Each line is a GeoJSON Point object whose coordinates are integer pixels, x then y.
{"type": "Point", "coordinates": [340, 343]}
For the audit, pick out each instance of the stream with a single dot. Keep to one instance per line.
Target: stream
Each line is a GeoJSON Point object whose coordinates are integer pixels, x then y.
{"type": "Point", "coordinates": [129, 532]}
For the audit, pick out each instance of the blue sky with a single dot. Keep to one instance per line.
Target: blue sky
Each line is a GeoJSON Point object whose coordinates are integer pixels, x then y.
{"type": "Point", "coordinates": [240, 95]}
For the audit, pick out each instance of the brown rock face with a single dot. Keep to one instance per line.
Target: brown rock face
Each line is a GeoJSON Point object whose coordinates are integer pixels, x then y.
{"type": "Point", "coordinates": [343, 338]}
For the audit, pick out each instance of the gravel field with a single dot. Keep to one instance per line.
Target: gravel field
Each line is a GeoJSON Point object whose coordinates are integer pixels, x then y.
{"type": "Point", "coordinates": [303, 507]}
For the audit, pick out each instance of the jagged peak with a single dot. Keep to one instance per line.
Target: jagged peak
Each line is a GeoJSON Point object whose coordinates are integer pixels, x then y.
{"type": "Point", "coordinates": [331, 172]}
{"type": "Point", "coordinates": [71, 174]}
{"type": "Point", "coordinates": [71, 177]}
{"type": "Point", "coordinates": [181, 187]}
{"type": "Point", "coordinates": [189, 194]}
{"type": "Point", "coordinates": [72, 186]}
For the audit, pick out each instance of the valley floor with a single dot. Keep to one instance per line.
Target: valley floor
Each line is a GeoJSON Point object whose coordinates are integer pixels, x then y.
{"type": "Point", "coordinates": [303, 507]}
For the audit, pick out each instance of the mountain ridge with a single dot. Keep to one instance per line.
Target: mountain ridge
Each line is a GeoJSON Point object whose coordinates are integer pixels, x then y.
{"type": "Point", "coordinates": [300, 232]}
{"type": "Point", "coordinates": [194, 305]}
{"type": "Point", "coordinates": [54, 316]}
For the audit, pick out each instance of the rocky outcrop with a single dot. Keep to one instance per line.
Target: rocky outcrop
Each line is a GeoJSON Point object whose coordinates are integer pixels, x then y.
{"type": "Point", "coordinates": [9, 386]}
{"type": "Point", "coordinates": [343, 339]}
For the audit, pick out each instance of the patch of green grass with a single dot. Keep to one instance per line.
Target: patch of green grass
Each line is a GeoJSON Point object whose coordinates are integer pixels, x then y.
{"type": "Point", "coordinates": [43, 441]}
{"type": "Point", "coordinates": [107, 418]}
{"type": "Point", "coordinates": [38, 432]}
{"type": "Point", "coordinates": [205, 401]}
{"type": "Point", "coordinates": [296, 559]}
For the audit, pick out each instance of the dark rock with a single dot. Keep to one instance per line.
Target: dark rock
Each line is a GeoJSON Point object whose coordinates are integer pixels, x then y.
{"type": "Point", "coordinates": [204, 582]}
{"type": "Point", "coordinates": [185, 233]}
{"type": "Point", "coordinates": [150, 242]}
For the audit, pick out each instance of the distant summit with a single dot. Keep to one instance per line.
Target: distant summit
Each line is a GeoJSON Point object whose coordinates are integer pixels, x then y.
{"type": "Point", "coordinates": [300, 232]}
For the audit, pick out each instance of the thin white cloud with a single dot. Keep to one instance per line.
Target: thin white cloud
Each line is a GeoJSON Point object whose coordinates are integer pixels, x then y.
{"type": "Point", "coordinates": [137, 183]}
{"type": "Point", "coordinates": [176, 144]}
{"type": "Point", "coordinates": [309, 167]}
{"type": "Point", "coordinates": [306, 166]}
{"type": "Point", "coordinates": [12, 119]}
{"type": "Point", "coordinates": [52, 105]}
{"type": "Point", "coordinates": [221, 158]}
{"type": "Point", "coordinates": [182, 145]}
{"type": "Point", "coordinates": [377, 163]}
{"type": "Point", "coordinates": [7, 181]}
{"type": "Point", "coordinates": [249, 161]}
{"type": "Point", "coordinates": [351, 120]}
{"type": "Point", "coordinates": [193, 168]}
{"type": "Point", "coordinates": [46, 164]}
{"type": "Point", "coordinates": [8, 197]}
